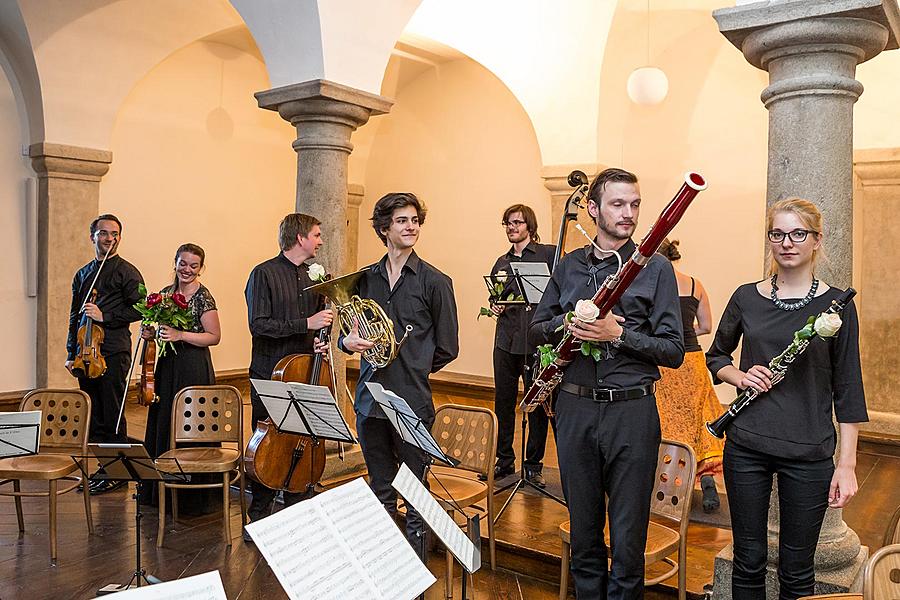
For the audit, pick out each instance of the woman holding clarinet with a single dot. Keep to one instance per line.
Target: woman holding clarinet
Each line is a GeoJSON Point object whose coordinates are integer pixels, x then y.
{"type": "Point", "coordinates": [788, 430]}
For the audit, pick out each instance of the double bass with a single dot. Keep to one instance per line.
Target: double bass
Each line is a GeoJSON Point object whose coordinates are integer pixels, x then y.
{"type": "Point", "coordinates": [285, 461]}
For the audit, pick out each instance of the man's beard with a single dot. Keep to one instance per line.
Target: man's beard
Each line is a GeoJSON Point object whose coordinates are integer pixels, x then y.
{"type": "Point", "coordinates": [611, 231]}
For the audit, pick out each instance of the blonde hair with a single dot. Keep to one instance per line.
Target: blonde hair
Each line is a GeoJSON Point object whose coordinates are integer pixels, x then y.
{"type": "Point", "coordinates": [811, 217]}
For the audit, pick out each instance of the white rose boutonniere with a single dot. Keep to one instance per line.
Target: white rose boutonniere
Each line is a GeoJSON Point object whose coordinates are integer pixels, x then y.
{"type": "Point", "coordinates": [586, 311]}
{"type": "Point", "coordinates": [827, 325]}
{"type": "Point", "coordinates": [317, 272]}
{"type": "Point", "coordinates": [501, 276]}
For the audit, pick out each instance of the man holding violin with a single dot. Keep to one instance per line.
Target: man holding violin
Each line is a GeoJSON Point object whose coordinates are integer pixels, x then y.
{"type": "Point", "coordinates": [103, 320]}
{"type": "Point", "coordinates": [283, 320]}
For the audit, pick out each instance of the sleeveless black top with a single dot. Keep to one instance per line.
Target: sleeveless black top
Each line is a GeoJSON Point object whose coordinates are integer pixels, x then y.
{"type": "Point", "coordinates": [689, 305]}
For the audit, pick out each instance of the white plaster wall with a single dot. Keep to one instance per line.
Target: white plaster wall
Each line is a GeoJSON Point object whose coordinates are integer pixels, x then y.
{"type": "Point", "coordinates": [196, 161]}
{"type": "Point", "coordinates": [468, 156]}
{"type": "Point", "coordinates": [17, 309]}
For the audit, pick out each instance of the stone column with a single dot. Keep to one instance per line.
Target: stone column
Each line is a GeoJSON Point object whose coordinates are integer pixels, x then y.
{"type": "Point", "coordinates": [68, 200]}
{"type": "Point", "coordinates": [355, 195]}
{"type": "Point", "coordinates": [325, 114]}
{"type": "Point", "coordinates": [810, 50]}
{"type": "Point", "coordinates": [555, 179]}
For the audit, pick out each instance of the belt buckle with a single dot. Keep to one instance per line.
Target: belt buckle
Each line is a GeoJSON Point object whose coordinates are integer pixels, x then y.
{"type": "Point", "coordinates": [604, 396]}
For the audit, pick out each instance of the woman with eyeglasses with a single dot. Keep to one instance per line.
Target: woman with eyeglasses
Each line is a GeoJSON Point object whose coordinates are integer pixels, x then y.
{"type": "Point", "coordinates": [788, 431]}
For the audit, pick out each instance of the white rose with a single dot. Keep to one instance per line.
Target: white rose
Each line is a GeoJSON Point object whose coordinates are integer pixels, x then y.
{"type": "Point", "coordinates": [827, 325]}
{"type": "Point", "coordinates": [316, 272]}
{"type": "Point", "coordinates": [586, 311]}
{"type": "Point", "coordinates": [501, 276]}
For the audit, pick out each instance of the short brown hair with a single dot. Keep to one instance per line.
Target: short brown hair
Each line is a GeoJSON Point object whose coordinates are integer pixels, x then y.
{"type": "Point", "coordinates": [595, 192]}
{"type": "Point", "coordinates": [528, 215]}
{"type": "Point", "coordinates": [293, 225]}
{"type": "Point", "coordinates": [105, 217]}
{"type": "Point", "coordinates": [387, 204]}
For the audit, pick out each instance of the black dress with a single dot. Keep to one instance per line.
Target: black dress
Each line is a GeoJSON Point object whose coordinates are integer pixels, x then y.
{"type": "Point", "coordinates": [183, 365]}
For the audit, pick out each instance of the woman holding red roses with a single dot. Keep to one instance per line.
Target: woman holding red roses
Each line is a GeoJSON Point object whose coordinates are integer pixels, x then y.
{"type": "Point", "coordinates": [187, 362]}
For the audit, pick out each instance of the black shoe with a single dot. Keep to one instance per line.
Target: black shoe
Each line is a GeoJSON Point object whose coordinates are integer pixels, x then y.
{"type": "Point", "coordinates": [246, 535]}
{"type": "Point", "coordinates": [710, 494]}
{"type": "Point", "coordinates": [105, 485]}
{"type": "Point", "coordinates": [536, 478]}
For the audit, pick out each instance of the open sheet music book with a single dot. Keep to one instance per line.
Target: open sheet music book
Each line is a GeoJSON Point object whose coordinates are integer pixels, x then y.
{"type": "Point", "coordinates": [199, 587]}
{"type": "Point", "coordinates": [340, 545]}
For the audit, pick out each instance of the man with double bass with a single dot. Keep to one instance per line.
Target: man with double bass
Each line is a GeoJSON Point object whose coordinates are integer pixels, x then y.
{"type": "Point", "coordinates": [607, 425]}
{"type": "Point", "coordinates": [113, 311]}
{"type": "Point", "coordinates": [283, 320]}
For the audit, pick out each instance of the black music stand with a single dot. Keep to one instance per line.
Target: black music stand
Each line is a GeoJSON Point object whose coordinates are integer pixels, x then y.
{"type": "Point", "coordinates": [17, 438]}
{"type": "Point", "coordinates": [303, 409]}
{"type": "Point", "coordinates": [533, 291]}
{"type": "Point", "coordinates": [130, 462]}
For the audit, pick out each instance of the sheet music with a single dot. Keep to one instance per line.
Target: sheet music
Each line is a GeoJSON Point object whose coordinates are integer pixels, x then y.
{"type": "Point", "coordinates": [406, 422]}
{"type": "Point", "coordinates": [340, 545]}
{"type": "Point", "coordinates": [207, 586]}
{"type": "Point", "coordinates": [319, 413]}
{"type": "Point", "coordinates": [20, 433]}
{"type": "Point", "coordinates": [412, 490]}
{"type": "Point", "coordinates": [534, 277]}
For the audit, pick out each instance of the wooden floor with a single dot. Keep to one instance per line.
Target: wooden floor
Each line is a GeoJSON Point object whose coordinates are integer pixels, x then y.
{"type": "Point", "coordinates": [527, 541]}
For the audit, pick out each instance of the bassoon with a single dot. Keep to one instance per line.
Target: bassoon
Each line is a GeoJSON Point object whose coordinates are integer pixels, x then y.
{"type": "Point", "coordinates": [612, 289]}
{"type": "Point", "coordinates": [778, 365]}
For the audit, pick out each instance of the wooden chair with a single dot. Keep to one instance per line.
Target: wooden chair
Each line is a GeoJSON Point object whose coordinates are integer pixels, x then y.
{"type": "Point", "coordinates": [892, 533]}
{"type": "Point", "coordinates": [671, 502]}
{"type": "Point", "coordinates": [881, 579]}
{"type": "Point", "coordinates": [210, 414]}
{"type": "Point", "coordinates": [65, 426]}
{"type": "Point", "coordinates": [467, 434]}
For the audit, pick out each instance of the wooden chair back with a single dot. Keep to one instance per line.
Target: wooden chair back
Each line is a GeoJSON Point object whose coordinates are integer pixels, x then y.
{"type": "Point", "coordinates": [467, 434]}
{"type": "Point", "coordinates": [65, 419]}
{"type": "Point", "coordinates": [674, 483]}
{"type": "Point", "coordinates": [881, 580]}
{"type": "Point", "coordinates": [207, 413]}
{"type": "Point", "coordinates": [892, 534]}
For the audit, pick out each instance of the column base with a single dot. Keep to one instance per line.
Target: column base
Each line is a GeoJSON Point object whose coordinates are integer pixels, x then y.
{"type": "Point", "coordinates": [847, 578]}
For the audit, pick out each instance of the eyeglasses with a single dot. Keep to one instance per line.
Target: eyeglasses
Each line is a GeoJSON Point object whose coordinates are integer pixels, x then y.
{"type": "Point", "coordinates": [797, 236]}
{"type": "Point", "coordinates": [515, 223]}
{"type": "Point", "coordinates": [107, 234]}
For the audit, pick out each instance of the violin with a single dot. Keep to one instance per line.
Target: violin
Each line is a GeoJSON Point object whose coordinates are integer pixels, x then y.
{"type": "Point", "coordinates": [290, 462]}
{"type": "Point", "coordinates": [146, 392]}
{"type": "Point", "coordinates": [89, 362]}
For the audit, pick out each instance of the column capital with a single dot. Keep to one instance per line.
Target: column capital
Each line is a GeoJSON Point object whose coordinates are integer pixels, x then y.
{"type": "Point", "coordinates": [69, 162]}
{"type": "Point", "coordinates": [355, 194]}
{"type": "Point", "coordinates": [556, 176]}
{"type": "Point", "coordinates": [337, 109]}
{"type": "Point", "coordinates": [739, 23]}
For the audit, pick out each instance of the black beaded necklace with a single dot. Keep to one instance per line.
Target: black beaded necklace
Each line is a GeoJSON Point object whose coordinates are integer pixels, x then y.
{"type": "Point", "coordinates": [793, 305]}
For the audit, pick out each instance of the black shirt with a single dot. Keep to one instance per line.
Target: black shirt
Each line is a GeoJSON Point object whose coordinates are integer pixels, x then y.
{"type": "Point", "coordinates": [422, 297]}
{"type": "Point", "coordinates": [793, 419]}
{"type": "Point", "coordinates": [512, 324]}
{"type": "Point", "coordinates": [117, 293]}
{"type": "Point", "coordinates": [650, 307]}
{"type": "Point", "coordinates": [277, 310]}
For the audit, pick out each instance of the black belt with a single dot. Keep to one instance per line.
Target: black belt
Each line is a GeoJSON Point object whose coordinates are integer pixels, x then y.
{"type": "Point", "coordinates": [601, 395]}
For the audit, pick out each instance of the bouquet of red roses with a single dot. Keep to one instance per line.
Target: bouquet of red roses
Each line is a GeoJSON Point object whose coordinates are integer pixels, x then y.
{"type": "Point", "coordinates": [164, 309]}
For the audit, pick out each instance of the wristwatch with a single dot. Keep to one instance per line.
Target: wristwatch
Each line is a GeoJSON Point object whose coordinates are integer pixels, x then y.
{"type": "Point", "coordinates": [619, 340]}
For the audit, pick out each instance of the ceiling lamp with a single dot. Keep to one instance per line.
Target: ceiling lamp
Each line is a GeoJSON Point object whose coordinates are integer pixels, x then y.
{"type": "Point", "coordinates": [648, 85]}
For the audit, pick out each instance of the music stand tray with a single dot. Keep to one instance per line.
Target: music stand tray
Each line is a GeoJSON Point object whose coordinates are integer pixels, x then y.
{"type": "Point", "coordinates": [20, 433]}
{"type": "Point", "coordinates": [304, 409]}
{"type": "Point", "coordinates": [130, 462]}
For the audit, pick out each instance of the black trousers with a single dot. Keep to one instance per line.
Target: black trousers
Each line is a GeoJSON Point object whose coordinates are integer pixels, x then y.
{"type": "Point", "coordinates": [508, 368]}
{"type": "Point", "coordinates": [107, 392]}
{"type": "Point", "coordinates": [802, 501]}
{"type": "Point", "coordinates": [384, 450]}
{"type": "Point", "coordinates": [264, 497]}
{"type": "Point", "coordinates": [607, 450]}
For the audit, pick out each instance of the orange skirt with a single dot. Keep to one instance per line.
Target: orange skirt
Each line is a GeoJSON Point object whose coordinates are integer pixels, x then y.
{"type": "Point", "coordinates": [686, 401]}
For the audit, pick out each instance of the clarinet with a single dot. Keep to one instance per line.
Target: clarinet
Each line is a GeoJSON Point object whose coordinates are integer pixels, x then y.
{"type": "Point", "coordinates": [611, 290]}
{"type": "Point", "coordinates": [778, 365]}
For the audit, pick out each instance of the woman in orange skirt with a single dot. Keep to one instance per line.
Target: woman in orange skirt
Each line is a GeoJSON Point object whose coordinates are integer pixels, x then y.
{"type": "Point", "coordinates": [685, 396]}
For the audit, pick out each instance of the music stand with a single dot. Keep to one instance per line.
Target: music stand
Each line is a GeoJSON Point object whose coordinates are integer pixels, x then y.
{"type": "Point", "coordinates": [303, 409]}
{"type": "Point", "coordinates": [491, 280]}
{"type": "Point", "coordinates": [130, 462]}
{"type": "Point", "coordinates": [20, 433]}
{"type": "Point", "coordinates": [535, 277]}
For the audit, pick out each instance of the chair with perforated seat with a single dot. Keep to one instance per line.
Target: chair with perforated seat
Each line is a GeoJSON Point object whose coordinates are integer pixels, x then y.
{"type": "Point", "coordinates": [65, 426]}
{"type": "Point", "coordinates": [211, 414]}
{"type": "Point", "coordinates": [467, 434]}
{"type": "Point", "coordinates": [671, 503]}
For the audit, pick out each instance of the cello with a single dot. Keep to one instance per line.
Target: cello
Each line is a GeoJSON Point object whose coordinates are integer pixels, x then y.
{"type": "Point", "coordinates": [284, 461]}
